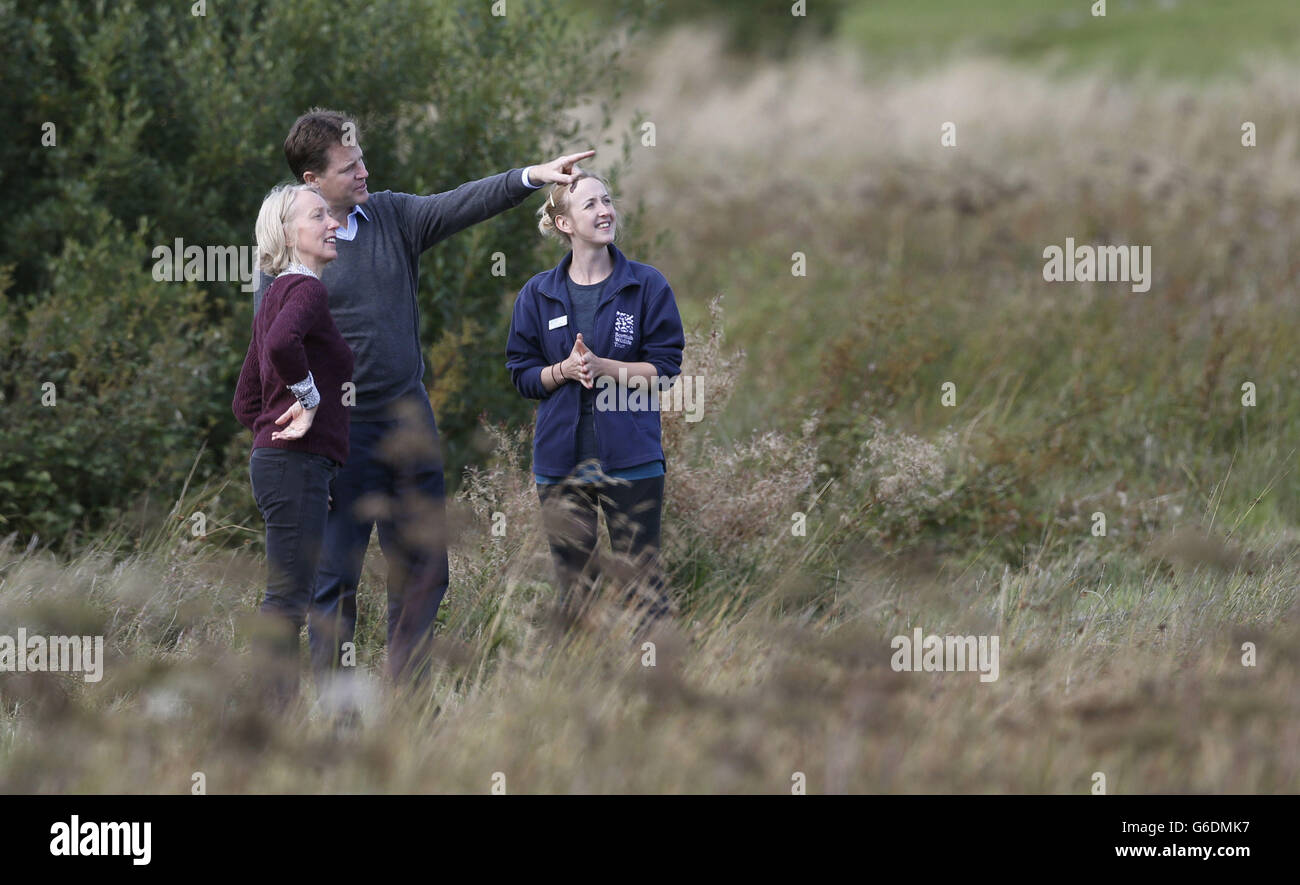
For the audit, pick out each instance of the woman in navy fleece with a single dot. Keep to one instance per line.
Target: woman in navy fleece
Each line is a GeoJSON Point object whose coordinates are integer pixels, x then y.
{"type": "Point", "coordinates": [580, 331]}
{"type": "Point", "coordinates": [294, 375]}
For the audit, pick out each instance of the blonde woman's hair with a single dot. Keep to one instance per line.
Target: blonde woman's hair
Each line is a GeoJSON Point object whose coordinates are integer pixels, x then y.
{"type": "Point", "coordinates": [557, 203]}
{"type": "Point", "coordinates": [274, 253]}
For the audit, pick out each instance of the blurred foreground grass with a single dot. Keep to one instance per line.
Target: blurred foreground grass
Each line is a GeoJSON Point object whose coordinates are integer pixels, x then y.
{"type": "Point", "coordinates": [1108, 663]}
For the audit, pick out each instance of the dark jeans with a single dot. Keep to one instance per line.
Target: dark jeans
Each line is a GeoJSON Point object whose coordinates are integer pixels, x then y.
{"type": "Point", "coordinates": [633, 510]}
{"type": "Point", "coordinates": [292, 492]}
{"type": "Point", "coordinates": [393, 478]}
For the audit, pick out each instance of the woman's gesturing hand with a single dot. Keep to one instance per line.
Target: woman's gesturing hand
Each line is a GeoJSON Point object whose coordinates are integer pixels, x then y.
{"type": "Point", "coordinates": [592, 366]}
{"type": "Point", "coordinates": [572, 367]}
{"type": "Point", "coordinates": [300, 421]}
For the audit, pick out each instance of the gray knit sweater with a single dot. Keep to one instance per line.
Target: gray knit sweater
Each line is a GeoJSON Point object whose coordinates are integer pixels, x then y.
{"type": "Point", "coordinates": [372, 284]}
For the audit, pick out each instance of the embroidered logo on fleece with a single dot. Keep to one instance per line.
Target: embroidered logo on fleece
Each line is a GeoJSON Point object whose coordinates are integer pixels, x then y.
{"type": "Point", "coordinates": [624, 324]}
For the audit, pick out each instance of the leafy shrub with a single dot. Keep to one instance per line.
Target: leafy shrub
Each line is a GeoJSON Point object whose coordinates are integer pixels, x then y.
{"type": "Point", "coordinates": [105, 388]}
{"type": "Point", "coordinates": [171, 125]}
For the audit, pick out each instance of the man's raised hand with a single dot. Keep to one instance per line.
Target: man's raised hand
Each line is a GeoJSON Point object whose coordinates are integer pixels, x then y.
{"type": "Point", "coordinates": [561, 170]}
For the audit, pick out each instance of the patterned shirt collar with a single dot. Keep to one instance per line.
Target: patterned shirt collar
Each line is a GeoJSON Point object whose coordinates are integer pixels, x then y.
{"type": "Point", "coordinates": [294, 267]}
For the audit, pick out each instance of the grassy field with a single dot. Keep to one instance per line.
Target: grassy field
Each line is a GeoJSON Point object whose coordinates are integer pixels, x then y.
{"type": "Point", "coordinates": [1121, 652]}
{"type": "Point", "coordinates": [1182, 38]}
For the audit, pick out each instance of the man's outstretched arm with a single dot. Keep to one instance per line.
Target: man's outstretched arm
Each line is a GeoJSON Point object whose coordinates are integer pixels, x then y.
{"type": "Point", "coordinates": [437, 216]}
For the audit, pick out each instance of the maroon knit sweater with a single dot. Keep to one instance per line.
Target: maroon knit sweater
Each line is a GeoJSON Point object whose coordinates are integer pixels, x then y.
{"type": "Point", "coordinates": [293, 333]}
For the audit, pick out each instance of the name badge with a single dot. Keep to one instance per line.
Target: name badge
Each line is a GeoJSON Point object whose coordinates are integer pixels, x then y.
{"type": "Point", "coordinates": [559, 321]}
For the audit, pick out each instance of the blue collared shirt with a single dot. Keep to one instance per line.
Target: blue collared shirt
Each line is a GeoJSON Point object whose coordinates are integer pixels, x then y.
{"type": "Point", "coordinates": [349, 231]}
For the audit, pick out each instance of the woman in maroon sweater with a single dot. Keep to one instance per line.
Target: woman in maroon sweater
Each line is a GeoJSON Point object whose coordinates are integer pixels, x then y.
{"type": "Point", "coordinates": [297, 372]}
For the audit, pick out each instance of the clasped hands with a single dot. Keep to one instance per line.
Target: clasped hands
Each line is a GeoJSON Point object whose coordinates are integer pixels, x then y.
{"type": "Point", "coordinates": [583, 366]}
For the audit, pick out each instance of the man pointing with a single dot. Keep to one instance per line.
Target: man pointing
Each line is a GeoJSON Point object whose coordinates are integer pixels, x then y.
{"type": "Point", "coordinates": [393, 476]}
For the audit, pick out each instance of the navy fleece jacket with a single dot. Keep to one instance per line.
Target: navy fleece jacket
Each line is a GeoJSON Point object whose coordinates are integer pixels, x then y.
{"type": "Point", "coordinates": [636, 321]}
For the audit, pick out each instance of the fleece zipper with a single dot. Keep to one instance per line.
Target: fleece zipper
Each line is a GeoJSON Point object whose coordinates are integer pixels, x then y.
{"type": "Point", "coordinates": [571, 339]}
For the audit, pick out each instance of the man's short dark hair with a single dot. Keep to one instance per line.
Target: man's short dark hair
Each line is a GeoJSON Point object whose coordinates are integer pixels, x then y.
{"type": "Point", "coordinates": [307, 147]}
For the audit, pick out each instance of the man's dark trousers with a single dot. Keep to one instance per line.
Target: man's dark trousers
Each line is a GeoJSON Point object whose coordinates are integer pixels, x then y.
{"type": "Point", "coordinates": [393, 478]}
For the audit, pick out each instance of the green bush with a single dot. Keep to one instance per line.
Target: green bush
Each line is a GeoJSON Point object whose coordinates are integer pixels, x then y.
{"type": "Point", "coordinates": [105, 389]}
{"type": "Point", "coordinates": [171, 125]}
